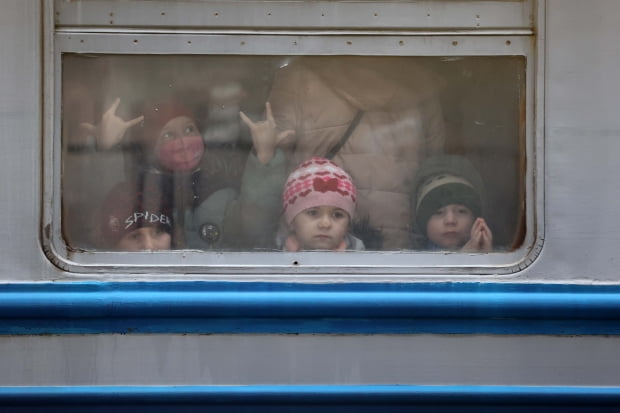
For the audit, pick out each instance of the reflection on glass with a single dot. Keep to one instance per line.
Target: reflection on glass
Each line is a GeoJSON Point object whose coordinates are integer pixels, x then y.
{"type": "Point", "coordinates": [214, 152]}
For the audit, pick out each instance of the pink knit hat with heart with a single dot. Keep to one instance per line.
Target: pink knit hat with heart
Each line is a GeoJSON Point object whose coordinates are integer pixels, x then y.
{"type": "Point", "coordinates": [318, 182]}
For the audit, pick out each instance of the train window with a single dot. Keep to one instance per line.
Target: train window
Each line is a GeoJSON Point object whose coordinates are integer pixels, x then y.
{"type": "Point", "coordinates": [213, 150]}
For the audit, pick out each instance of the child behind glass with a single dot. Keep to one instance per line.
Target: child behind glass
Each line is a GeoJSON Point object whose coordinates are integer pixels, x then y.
{"type": "Point", "coordinates": [448, 199]}
{"type": "Point", "coordinates": [319, 205]}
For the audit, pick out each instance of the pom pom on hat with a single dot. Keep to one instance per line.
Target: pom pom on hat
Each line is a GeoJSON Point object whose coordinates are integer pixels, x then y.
{"type": "Point", "coordinates": [126, 209]}
{"type": "Point", "coordinates": [318, 182]}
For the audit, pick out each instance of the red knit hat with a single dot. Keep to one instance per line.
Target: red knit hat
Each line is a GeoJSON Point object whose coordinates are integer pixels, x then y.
{"type": "Point", "coordinates": [318, 182]}
{"type": "Point", "coordinates": [156, 115]}
{"type": "Point", "coordinates": [126, 209]}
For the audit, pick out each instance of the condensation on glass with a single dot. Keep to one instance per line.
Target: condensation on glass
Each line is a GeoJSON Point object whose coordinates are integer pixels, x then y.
{"type": "Point", "coordinates": [155, 153]}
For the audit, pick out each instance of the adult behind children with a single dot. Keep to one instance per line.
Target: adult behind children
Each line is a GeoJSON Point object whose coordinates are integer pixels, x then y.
{"type": "Point", "coordinates": [448, 200]}
{"type": "Point", "coordinates": [319, 205]}
{"type": "Point", "coordinates": [378, 118]}
{"type": "Point", "coordinates": [131, 220]}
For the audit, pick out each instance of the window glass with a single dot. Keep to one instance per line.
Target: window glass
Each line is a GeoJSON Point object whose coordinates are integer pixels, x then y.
{"type": "Point", "coordinates": [183, 152]}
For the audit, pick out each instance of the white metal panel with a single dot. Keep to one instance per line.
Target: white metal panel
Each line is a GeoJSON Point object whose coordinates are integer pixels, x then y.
{"type": "Point", "coordinates": [20, 134]}
{"type": "Point", "coordinates": [581, 87]}
{"type": "Point", "coordinates": [582, 140]}
{"type": "Point", "coordinates": [504, 14]}
{"type": "Point", "coordinates": [308, 359]}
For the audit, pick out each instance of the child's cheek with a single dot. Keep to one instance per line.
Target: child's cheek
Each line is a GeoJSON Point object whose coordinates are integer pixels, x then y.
{"type": "Point", "coordinates": [182, 154]}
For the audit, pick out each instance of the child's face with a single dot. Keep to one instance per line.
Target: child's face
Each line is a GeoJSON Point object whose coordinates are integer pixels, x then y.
{"type": "Point", "coordinates": [450, 226]}
{"type": "Point", "coordinates": [145, 238]}
{"type": "Point", "coordinates": [179, 145]}
{"type": "Point", "coordinates": [321, 228]}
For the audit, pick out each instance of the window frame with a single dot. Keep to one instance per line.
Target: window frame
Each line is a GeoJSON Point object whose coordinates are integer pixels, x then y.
{"type": "Point", "coordinates": [75, 33]}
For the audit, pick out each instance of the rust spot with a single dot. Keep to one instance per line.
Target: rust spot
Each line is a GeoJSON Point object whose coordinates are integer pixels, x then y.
{"type": "Point", "coordinates": [163, 13]}
{"type": "Point", "coordinates": [455, 43]}
{"type": "Point", "coordinates": [401, 43]}
{"type": "Point", "coordinates": [349, 42]}
{"type": "Point", "coordinates": [508, 42]}
{"type": "Point", "coordinates": [135, 41]}
{"type": "Point", "coordinates": [216, 14]}
{"type": "Point", "coordinates": [242, 43]}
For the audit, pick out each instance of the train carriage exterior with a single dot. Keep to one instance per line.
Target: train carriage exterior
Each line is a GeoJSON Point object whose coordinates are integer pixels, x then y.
{"type": "Point", "coordinates": [528, 93]}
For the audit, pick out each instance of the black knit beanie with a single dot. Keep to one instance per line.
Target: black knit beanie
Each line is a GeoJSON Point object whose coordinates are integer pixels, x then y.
{"type": "Point", "coordinates": [444, 190]}
{"type": "Point", "coordinates": [445, 180]}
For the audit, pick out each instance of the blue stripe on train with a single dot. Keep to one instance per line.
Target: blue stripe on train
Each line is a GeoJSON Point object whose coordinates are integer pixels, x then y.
{"type": "Point", "coordinates": [228, 307]}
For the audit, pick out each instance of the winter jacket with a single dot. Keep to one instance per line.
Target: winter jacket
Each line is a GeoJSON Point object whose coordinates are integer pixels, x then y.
{"type": "Point", "coordinates": [401, 124]}
{"type": "Point", "coordinates": [220, 168]}
{"type": "Point", "coordinates": [241, 220]}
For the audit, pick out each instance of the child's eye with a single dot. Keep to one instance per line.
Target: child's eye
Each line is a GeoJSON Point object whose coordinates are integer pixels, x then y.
{"type": "Point", "coordinates": [167, 135]}
{"type": "Point", "coordinates": [463, 211]}
{"type": "Point", "coordinates": [190, 129]}
{"type": "Point", "coordinates": [339, 214]}
{"type": "Point", "coordinates": [312, 212]}
{"type": "Point", "coordinates": [440, 211]}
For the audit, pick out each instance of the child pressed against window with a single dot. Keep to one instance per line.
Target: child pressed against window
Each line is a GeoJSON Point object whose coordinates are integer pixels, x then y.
{"type": "Point", "coordinates": [199, 182]}
{"type": "Point", "coordinates": [133, 221]}
{"type": "Point", "coordinates": [448, 201]}
{"type": "Point", "coordinates": [319, 205]}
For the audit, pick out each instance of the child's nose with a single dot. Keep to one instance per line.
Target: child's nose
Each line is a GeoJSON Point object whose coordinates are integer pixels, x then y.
{"type": "Point", "coordinates": [450, 217]}
{"type": "Point", "coordinates": [324, 221]}
{"type": "Point", "coordinates": [148, 243]}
